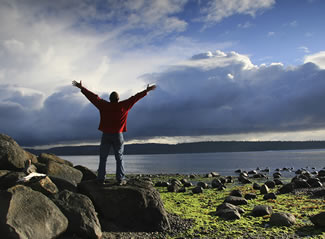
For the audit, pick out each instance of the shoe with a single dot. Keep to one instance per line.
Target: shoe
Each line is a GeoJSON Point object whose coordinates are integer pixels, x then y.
{"type": "Point", "coordinates": [121, 182]}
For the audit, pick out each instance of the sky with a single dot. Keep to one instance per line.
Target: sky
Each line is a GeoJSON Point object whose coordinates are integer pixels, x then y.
{"type": "Point", "coordinates": [224, 69]}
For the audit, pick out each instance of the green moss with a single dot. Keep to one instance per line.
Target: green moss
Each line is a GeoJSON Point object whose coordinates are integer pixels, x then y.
{"type": "Point", "coordinates": [201, 208]}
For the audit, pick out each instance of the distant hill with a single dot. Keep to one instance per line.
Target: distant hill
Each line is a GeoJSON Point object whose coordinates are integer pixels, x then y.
{"type": "Point", "coordinates": [199, 147]}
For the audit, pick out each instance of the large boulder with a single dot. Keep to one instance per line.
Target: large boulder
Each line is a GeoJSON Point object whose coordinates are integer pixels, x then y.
{"type": "Point", "coordinates": [10, 179]}
{"type": "Point", "coordinates": [318, 219]}
{"type": "Point", "coordinates": [236, 200]}
{"type": "Point", "coordinates": [262, 210]}
{"type": "Point", "coordinates": [25, 213]}
{"type": "Point", "coordinates": [63, 171]}
{"type": "Point", "coordinates": [136, 206]}
{"type": "Point", "coordinates": [64, 184]}
{"type": "Point", "coordinates": [81, 214]}
{"type": "Point", "coordinates": [282, 219]}
{"type": "Point", "coordinates": [43, 185]}
{"type": "Point", "coordinates": [12, 156]}
{"type": "Point", "coordinates": [87, 174]}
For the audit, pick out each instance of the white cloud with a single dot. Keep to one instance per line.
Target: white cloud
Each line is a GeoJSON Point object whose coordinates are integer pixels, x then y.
{"type": "Point", "coordinates": [216, 10]}
{"type": "Point", "coordinates": [317, 58]}
{"type": "Point", "coordinates": [270, 34]}
{"type": "Point", "coordinates": [245, 25]}
{"type": "Point", "coordinates": [304, 49]}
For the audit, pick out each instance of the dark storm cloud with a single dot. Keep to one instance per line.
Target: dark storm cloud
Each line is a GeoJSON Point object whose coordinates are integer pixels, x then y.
{"type": "Point", "coordinates": [211, 94]}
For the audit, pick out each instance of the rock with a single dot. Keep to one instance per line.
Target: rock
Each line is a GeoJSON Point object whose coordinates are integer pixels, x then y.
{"type": "Point", "coordinates": [228, 214]}
{"type": "Point", "coordinates": [176, 182]}
{"type": "Point", "coordinates": [252, 172]}
{"type": "Point", "coordinates": [259, 175]}
{"type": "Point", "coordinates": [202, 185]}
{"type": "Point", "coordinates": [173, 188]}
{"type": "Point", "coordinates": [10, 179]}
{"type": "Point", "coordinates": [63, 184]}
{"type": "Point", "coordinates": [29, 167]}
{"type": "Point", "coordinates": [182, 190]}
{"type": "Point", "coordinates": [321, 173]}
{"type": "Point", "coordinates": [236, 193]}
{"type": "Point", "coordinates": [184, 181]}
{"type": "Point", "coordinates": [12, 156]}
{"type": "Point", "coordinates": [188, 184]}
{"type": "Point", "coordinates": [319, 193]}
{"type": "Point", "coordinates": [209, 175]}
{"type": "Point", "coordinates": [256, 186]}
{"type": "Point", "coordinates": [269, 196]}
{"type": "Point", "coordinates": [215, 174]}
{"type": "Point", "coordinates": [162, 184]}
{"type": "Point", "coordinates": [318, 219]}
{"type": "Point", "coordinates": [43, 185]}
{"type": "Point", "coordinates": [282, 219]}
{"type": "Point", "coordinates": [25, 213]}
{"type": "Point", "coordinates": [287, 188]}
{"type": "Point", "coordinates": [301, 183]}
{"type": "Point", "coordinates": [278, 182]}
{"type": "Point", "coordinates": [262, 210]}
{"type": "Point", "coordinates": [216, 183]}
{"type": "Point", "coordinates": [45, 158]}
{"type": "Point", "coordinates": [136, 206]}
{"type": "Point", "coordinates": [229, 206]}
{"type": "Point", "coordinates": [63, 171]}
{"type": "Point", "coordinates": [31, 157]}
{"type": "Point", "coordinates": [238, 171]}
{"type": "Point", "coordinates": [249, 196]}
{"type": "Point", "coordinates": [264, 189]}
{"type": "Point", "coordinates": [243, 179]}
{"type": "Point", "coordinates": [270, 184]}
{"type": "Point", "coordinates": [197, 190]}
{"type": "Point", "coordinates": [229, 179]}
{"type": "Point", "coordinates": [266, 170]}
{"type": "Point", "coordinates": [87, 174]}
{"type": "Point", "coordinates": [277, 175]}
{"type": "Point", "coordinates": [4, 172]}
{"type": "Point", "coordinates": [81, 214]}
{"type": "Point", "coordinates": [236, 200]}
{"type": "Point", "coordinates": [41, 167]}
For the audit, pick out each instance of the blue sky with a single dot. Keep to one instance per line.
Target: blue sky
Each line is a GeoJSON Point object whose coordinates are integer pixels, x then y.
{"type": "Point", "coordinates": [225, 69]}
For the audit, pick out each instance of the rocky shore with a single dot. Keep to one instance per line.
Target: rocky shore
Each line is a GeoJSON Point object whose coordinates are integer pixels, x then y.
{"type": "Point", "coordinates": [45, 196]}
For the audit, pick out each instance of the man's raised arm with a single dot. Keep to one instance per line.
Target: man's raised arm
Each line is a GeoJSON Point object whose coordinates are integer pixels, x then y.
{"type": "Point", "coordinates": [93, 98]}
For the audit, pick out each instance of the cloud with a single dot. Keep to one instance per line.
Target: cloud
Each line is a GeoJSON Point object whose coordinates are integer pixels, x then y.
{"type": "Point", "coordinates": [304, 49]}
{"type": "Point", "coordinates": [317, 58]}
{"type": "Point", "coordinates": [215, 93]}
{"type": "Point", "coordinates": [216, 10]}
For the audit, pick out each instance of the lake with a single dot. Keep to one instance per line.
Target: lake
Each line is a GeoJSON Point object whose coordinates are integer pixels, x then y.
{"type": "Point", "coordinates": [223, 163]}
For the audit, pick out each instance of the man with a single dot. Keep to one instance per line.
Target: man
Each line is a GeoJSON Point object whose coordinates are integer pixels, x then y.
{"type": "Point", "coordinates": [113, 117]}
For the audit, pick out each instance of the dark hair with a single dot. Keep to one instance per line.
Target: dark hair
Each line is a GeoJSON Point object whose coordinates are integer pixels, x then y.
{"type": "Point", "coordinates": [114, 97]}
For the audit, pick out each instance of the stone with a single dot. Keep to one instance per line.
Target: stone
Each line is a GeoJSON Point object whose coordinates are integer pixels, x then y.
{"type": "Point", "coordinates": [25, 213]}
{"type": "Point", "coordinates": [173, 188]}
{"type": "Point", "coordinates": [321, 173]}
{"type": "Point", "coordinates": [228, 214]}
{"type": "Point", "coordinates": [81, 214]}
{"type": "Point", "coordinates": [230, 206]}
{"type": "Point", "coordinates": [301, 183]}
{"type": "Point", "coordinates": [252, 172]}
{"type": "Point", "coordinates": [264, 189]}
{"type": "Point", "coordinates": [256, 186]}
{"type": "Point", "coordinates": [215, 174]}
{"type": "Point", "coordinates": [182, 190]}
{"type": "Point", "coordinates": [287, 188]}
{"type": "Point", "coordinates": [216, 183]}
{"type": "Point", "coordinates": [4, 172]}
{"type": "Point", "coordinates": [12, 156]}
{"type": "Point", "coordinates": [175, 181]}
{"type": "Point", "coordinates": [270, 184]}
{"type": "Point", "coordinates": [162, 184]}
{"type": "Point", "coordinates": [10, 179]}
{"type": "Point", "coordinates": [278, 181]}
{"type": "Point", "coordinates": [249, 196]}
{"type": "Point", "coordinates": [136, 206]}
{"type": "Point", "coordinates": [45, 158]}
{"type": "Point", "coordinates": [269, 196]}
{"type": "Point", "coordinates": [243, 179]}
{"type": "Point", "coordinates": [236, 200]}
{"type": "Point", "coordinates": [87, 174]}
{"type": "Point", "coordinates": [63, 171]}
{"type": "Point", "coordinates": [202, 185]}
{"type": "Point", "coordinates": [43, 185]}
{"type": "Point", "coordinates": [197, 190]}
{"type": "Point", "coordinates": [318, 219]}
{"type": "Point", "coordinates": [262, 210]}
{"type": "Point", "coordinates": [188, 184]}
{"type": "Point", "coordinates": [236, 193]}
{"type": "Point", "coordinates": [63, 184]}
{"type": "Point", "coordinates": [282, 219]}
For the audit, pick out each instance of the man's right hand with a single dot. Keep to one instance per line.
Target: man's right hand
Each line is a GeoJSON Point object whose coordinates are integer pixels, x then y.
{"type": "Point", "coordinates": [76, 84]}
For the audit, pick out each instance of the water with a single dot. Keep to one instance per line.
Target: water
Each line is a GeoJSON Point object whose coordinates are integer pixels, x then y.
{"type": "Point", "coordinates": [223, 163]}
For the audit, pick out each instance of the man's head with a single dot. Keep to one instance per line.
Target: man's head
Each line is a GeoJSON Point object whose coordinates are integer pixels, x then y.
{"type": "Point", "coordinates": [114, 97]}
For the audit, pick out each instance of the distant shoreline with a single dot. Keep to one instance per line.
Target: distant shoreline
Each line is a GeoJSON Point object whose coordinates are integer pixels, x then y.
{"type": "Point", "coordinates": [198, 147]}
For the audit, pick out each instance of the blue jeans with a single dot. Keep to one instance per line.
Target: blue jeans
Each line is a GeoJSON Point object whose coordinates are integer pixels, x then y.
{"type": "Point", "coordinates": [117, 141]}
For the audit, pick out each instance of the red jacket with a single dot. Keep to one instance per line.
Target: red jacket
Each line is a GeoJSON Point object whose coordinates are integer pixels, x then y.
{"type": "Point", "coordinates": [113, 116]}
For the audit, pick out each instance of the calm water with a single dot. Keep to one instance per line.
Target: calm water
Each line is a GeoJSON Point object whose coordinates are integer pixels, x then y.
{"type": "Point", "coordinates": [223, 163]}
